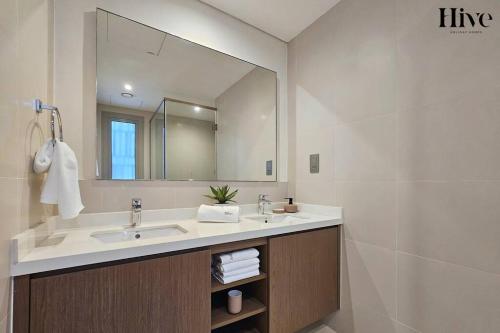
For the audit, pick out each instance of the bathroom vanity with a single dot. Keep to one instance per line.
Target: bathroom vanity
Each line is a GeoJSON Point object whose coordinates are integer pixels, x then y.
{"type": "Point", "coordinates": [74, 282]}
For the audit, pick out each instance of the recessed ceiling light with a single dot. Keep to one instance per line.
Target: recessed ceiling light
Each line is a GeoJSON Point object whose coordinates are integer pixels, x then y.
{"type": "Point", "coordinates": [127, 87]}
{"type": "Point", "coordinates": [197, 109]}
{"type": "Point", "coordinates": [127, 95]}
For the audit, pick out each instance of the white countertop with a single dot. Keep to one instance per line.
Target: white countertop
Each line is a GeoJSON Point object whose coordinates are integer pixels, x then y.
{"type": "Point", "coordinates": [31, 254]}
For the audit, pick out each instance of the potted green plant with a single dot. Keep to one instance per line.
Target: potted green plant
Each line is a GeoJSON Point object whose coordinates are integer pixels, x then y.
{"type": "Point", "coordinates": [222, 194]}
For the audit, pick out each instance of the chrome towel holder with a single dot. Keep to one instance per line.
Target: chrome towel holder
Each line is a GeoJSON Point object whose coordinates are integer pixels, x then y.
{"type": "Point", "coordinates": [38, 106]}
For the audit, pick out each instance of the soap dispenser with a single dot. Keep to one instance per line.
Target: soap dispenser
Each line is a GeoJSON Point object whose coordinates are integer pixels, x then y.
{"type": "Point", "coordinates": [291, 207]}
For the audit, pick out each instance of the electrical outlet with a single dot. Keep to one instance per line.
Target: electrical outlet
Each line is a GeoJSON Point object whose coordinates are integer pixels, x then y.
{"type": "Point", "coordinates": [269, 168]}
{"type": "Point", "coordinates": [314, 163]}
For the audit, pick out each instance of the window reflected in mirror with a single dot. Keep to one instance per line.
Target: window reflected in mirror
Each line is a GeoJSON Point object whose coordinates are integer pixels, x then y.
{"type": "Point", "coordinates": [123, 149]}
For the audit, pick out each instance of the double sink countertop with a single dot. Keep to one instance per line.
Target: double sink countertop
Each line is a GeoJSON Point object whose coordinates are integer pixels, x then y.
{"type": "Point", "coordinates": [58, 244]}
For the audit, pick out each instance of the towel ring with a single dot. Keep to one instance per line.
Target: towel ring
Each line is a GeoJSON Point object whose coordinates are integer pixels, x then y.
{"type": "Point", "coordinates": [38, 106]}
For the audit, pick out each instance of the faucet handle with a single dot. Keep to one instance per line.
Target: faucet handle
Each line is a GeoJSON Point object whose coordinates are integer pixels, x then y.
{"type": "Point", "coordinates": [263, 197]}
{"type": "Point", "coordinates": [137, 203]}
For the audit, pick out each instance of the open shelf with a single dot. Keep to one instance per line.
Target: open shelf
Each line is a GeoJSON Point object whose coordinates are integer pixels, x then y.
{"type": "Point", "coordinates": [251, 307]}
{"type": "Point", "coordinates": [253, 317]}
{"type": "Point", "coordinates": [247, 325]}
{"type": "Point", "coordinates": [217, 286]}
{"type": "Point", "coordinates": [230, 329]}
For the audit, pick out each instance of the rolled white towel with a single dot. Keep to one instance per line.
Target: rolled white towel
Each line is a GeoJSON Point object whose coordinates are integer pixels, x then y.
{"type": "Point", "coordinates": [232, 266]}
{"type": "Point", "coordinates": [220, 213]}
{"type": "Point", "coordinates": [226, 280]}
{"type": "Point", "coordinates": [238, 271]}
{"type": "Point", "coordinates": [43, 157]}
{"type": "Point", "coordinates": [226, 258]}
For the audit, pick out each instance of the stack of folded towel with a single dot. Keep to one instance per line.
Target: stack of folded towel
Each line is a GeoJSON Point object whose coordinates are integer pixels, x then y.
{"type": "Point", "coordinates": [235, 266]}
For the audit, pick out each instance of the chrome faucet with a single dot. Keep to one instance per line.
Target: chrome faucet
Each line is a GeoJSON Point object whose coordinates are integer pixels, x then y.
{"type": "Point", "coordinates": [262, 203]}
{"type": "Point", "coordinates": [136, 212]}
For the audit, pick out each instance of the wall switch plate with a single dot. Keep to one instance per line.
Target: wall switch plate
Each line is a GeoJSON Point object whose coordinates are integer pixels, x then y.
{"type": "Point", "coordinates": [314, 163]}
{"type": "Point", "coordinates": [269, 168]}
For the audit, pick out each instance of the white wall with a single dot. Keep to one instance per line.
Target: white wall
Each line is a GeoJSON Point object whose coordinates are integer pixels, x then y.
{"type": "Point", "coordinates": [74, 70]}
{"type": "Point", "coordinates": [246, 134]}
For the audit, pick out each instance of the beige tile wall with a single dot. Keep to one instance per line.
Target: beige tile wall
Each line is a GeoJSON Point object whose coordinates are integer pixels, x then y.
{"type": "Point", "coordinates": [406, 118]}
{"type": "Point", "coordinates": [25, 72]}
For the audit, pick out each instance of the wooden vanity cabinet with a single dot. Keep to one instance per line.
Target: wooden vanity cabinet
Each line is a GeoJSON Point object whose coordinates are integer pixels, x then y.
{"type": "Point", "coordinates": [304, 278]}
{"type": "Point", "coordinates": [165, 294]}
{"type": "Point", "coordinates": [174, 293]}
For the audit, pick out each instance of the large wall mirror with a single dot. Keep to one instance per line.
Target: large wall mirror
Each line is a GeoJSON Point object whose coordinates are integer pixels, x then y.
{"type": "Point", "coordinates": [171, 109]}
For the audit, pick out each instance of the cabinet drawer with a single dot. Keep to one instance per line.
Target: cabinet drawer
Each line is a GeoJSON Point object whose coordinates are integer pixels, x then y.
{"type": "Point", "coordinates": [166, 294]}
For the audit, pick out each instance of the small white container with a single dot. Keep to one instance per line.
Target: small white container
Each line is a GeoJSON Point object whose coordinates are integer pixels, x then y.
{"type": "Point", "coordinates": [234, 301]}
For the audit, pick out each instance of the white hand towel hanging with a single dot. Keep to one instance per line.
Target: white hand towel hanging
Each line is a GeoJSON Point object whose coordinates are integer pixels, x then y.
{"type": "Point", "coordinates": [43, 157]}
{"type": "Point", "coordinates": [61, 186]}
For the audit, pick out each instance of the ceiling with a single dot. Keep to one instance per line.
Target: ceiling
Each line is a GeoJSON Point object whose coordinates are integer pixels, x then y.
{"type": "Point", "coordinates": [158, 65]}
{"type": "Point", "coordinates": [284, 19]}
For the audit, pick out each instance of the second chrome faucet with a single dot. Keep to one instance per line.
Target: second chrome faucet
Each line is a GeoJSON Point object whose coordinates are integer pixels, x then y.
{"type": "Point", "coordinates": [136, 212]}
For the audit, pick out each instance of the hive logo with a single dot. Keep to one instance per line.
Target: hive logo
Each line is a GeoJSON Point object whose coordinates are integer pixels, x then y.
{"type": "Point", "coordinates": [461, 21]}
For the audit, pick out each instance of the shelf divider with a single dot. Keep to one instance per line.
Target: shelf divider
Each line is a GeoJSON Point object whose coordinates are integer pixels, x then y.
{"type": "Point", "coordinates": [217, 286]}
{"type": "Point", "coordinates": [251, 307]}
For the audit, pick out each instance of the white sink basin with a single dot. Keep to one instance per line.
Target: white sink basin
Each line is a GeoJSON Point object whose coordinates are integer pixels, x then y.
{"type": "Point", "coordinates": [137, 233]}
{"type": "Point", "coordinates": [277, 218]}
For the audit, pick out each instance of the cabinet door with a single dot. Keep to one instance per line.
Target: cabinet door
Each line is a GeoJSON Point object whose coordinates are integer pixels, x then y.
{"type": "Point", "coordinates": [167, 294]}
{"type": "Point", "coordinates": [303, 279]}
